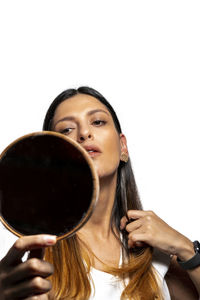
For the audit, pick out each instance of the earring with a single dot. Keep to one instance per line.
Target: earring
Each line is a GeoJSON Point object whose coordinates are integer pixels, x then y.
{"type": "Point", "coordinates": [124, 157]}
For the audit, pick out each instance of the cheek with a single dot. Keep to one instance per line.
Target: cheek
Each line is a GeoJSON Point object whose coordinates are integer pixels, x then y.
{"type": "Point", "coordinates": [113, 146]}
{"type": "Point", "coordinates": [114, 152]}
{"type": "Point", "coordinates": [111, 154]}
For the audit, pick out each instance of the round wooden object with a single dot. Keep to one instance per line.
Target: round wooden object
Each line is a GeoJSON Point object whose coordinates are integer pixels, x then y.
{"type": "Point", "coordinates": [48, 184]}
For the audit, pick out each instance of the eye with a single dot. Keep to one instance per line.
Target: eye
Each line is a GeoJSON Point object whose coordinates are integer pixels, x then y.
{"type": "Point", "coordinates": [99, 122]}
{"type": "Point", "coordinates": [66, 131]}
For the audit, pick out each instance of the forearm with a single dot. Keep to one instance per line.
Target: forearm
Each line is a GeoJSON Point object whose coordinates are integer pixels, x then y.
{"type": "Point", "coordinates": [195, 277]}
{"type": "Point", "coordinates": [185, 251]}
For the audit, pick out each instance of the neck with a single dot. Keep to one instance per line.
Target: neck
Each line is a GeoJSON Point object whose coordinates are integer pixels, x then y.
{"type": "Point", "coordinates": [99, 222]}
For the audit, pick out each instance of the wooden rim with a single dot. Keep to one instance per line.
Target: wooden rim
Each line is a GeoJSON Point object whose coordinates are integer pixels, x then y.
{"type": "Point", "coordinates": [95, 180]}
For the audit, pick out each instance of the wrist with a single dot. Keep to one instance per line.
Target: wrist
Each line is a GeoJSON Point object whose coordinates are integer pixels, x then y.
{"type": "Point", "coordinates": [185, 250]}
{"type": "Point", "coordinates": [194, 261]}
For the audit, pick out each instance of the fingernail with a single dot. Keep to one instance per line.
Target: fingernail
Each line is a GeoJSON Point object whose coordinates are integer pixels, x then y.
{"type": "Point", "coordinates": [50, 239]}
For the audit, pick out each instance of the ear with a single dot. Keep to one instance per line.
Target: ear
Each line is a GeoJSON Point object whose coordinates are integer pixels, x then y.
{"type": "Point", "coordinates": [123, 143]}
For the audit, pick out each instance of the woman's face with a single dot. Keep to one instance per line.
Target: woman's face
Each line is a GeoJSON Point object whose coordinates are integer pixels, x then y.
{"type": "Point", "coordinates": [87, 121]}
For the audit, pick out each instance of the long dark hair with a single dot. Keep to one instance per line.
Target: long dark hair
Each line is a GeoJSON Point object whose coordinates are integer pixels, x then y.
{"type": "Point", "coordinates": [67, 282]}
{"type": "Point", "coordinates": [126, 194]}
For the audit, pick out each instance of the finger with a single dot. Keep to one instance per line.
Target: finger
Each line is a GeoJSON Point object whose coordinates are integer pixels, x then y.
{"type": "Point", "coordinates": [28, 269]}
{"type": "Point", "coordinates": [24, 244]}
{"type": "Point", "coordinates": [33, 287]}
{"type": "Point", "coordinates": [134, 225]}
{"type": "Point", "coordinates": [134, 238]}
{"type": "Point", "coordinates": [139, 244]}
{"type": "Point", "coordinates": [136, 245]}
{"type": "Point", "coordinates": [123, 222]}
{"type": "Point", "coordinates": [132, 244]}
{"type": "Point", "coordinates": [132, 214]}
{"type": "Point", "coordinates": [137, 214]}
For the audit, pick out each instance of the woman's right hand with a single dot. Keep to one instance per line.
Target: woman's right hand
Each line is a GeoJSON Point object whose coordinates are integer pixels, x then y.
{"type": "Point", "coordinates": [25, 280]}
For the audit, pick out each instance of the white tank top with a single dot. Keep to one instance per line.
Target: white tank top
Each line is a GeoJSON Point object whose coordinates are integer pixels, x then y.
{"type": "Point", "coordinates": [108, 287]}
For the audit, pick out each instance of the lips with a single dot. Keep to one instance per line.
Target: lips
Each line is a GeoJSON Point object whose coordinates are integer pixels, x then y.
{"type": "Point", "coordinates": [92, 150]}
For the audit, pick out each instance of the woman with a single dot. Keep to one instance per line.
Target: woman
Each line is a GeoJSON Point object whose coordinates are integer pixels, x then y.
{"type": "Point", "coordinates": [112, 255]}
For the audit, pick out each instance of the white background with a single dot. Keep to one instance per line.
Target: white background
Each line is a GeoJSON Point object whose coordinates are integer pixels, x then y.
{"type": "Point", "coordinates": [143, 56]}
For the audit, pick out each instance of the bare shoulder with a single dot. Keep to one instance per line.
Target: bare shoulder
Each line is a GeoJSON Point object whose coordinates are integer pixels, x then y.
{"type": "Point", "coordinates": [179, 283]}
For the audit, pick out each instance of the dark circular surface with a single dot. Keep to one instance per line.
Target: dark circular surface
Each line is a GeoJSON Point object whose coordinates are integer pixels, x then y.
{"type": "Point", "coordinates": [46, 186]}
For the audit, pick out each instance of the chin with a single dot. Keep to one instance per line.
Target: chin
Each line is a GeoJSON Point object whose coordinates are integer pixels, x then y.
{"type": "Point", "coordinates": [107, 176]}
{"type": "Point", "coordinates": [105, 171]}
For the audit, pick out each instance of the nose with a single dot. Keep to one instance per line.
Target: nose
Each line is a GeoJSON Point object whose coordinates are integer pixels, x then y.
{"type": "Point", "coordinates": [84, 134]}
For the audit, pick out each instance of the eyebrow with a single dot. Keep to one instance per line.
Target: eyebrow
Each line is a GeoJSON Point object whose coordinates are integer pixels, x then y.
{"type": "Point", "coordinates": [71, 118]}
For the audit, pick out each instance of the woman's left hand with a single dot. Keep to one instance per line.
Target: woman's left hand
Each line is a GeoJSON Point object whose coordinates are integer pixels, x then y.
{"type": "Point", "coordinates": [147, 227]}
